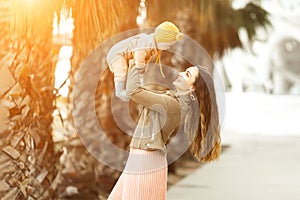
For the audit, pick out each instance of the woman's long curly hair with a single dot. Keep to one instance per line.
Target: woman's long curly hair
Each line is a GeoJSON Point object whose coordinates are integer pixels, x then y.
{"type": "Point", "coordinates": [206, 143]}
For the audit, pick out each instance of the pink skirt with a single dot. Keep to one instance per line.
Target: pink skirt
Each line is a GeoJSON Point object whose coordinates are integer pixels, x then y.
{"type": "Point", "coordinates": [143, 178]}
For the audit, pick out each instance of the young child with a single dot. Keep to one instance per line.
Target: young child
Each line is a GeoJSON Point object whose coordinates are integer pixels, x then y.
{"type": "Point", "coordinates": [141, 48]}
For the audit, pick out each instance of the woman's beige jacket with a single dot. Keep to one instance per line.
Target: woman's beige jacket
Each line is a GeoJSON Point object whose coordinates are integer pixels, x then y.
{"type": "Point", "coordinates": [160, 115]}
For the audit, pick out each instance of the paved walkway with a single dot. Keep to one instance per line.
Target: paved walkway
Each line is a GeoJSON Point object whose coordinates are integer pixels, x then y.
{"type": "Point", "coordinates": [255, 166]}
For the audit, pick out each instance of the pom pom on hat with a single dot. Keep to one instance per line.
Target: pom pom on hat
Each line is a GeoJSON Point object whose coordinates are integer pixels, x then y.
{"type": "Point", "coordinates": [167, 32]}
{"type": "Point", "coordinates": [179, 36]}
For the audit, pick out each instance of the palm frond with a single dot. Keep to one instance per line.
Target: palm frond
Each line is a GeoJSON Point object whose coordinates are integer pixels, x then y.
{"type": "Point", "coordinates": [251, 18]}
{"type": "Point", "coordinates": [214, 24]}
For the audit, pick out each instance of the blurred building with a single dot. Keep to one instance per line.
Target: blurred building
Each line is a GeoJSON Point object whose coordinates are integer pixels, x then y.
{"type": "Point", "coordinates": [270, 64]}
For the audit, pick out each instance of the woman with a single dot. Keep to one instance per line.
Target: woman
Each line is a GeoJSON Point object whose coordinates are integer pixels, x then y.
{"type": "Point", "coordinates": [141, 48]}
{"type": "Point", "coordinates": [194, 105]}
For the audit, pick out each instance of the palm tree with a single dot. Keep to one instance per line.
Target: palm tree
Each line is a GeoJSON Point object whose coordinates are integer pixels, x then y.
{"type": "Point", "coordinates": [94, 22]}
{"type": "Point", "coordinates": [212, 23]}
{"type": "Point", "coordinates": [28, 158]}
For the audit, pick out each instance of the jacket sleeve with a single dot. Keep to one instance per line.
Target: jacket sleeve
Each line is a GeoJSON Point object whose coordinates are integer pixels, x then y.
{"type": "Point", "coordinates": [159, 102]}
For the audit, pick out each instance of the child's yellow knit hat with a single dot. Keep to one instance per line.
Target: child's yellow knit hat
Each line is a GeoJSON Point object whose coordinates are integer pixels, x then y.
{"type": "Point", "coordinates": [167, 32]}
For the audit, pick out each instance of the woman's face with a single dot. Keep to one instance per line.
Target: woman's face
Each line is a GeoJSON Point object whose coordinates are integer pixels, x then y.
{"type": "Point", "coordinates": [185, 80]}
{"type": "Point", "coordinates": [165, 45]}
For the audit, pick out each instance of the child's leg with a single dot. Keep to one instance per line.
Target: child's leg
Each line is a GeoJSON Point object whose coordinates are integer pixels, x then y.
{"type": "Point", "coordinates": [119, 67]}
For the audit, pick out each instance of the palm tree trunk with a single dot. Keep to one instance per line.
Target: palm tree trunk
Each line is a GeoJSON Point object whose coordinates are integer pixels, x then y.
{"type": "Point", "coordinates": [94, 22]}
{"type": "Point", "coordinates": [28, 159]}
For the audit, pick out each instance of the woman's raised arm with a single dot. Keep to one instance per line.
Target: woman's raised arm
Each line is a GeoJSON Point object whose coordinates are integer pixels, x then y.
{"type": "Point", "coordinates": [161, 103]}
